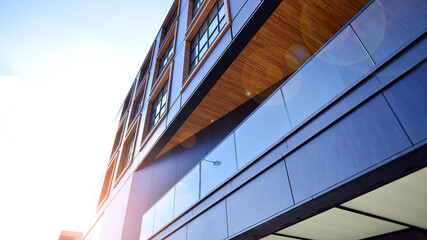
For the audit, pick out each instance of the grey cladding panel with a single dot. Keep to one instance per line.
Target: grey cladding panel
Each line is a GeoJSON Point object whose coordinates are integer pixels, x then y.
{"type": "Point", "coordinates": [243, 15]}
{"type": "Point", "coordinates": [210, 225]}
{"type": "Point", "coordinates": [404, 62]}
{"type": "Point", "coordinates": [235, 7]}
{"type": "Point", "coordinates": [181, 234]}
{"type": "Point", "coordinates": [164, 176]}
{"type": "Point", "coordinates": [385, 26]}
{"type": "Point", "coordinates": [408, 99]}
{"type": "Point", "coordinates": [365, 137]}
{"type": "Point", "coordinates": [262, 197]}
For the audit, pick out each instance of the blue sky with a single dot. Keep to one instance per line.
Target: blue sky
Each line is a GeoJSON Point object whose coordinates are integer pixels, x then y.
{"type": "Point", "coordinates": [65, 67]}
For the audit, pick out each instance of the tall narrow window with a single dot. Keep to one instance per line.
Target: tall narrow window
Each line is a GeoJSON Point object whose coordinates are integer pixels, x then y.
{"type": "Point", "coordinates": [207, 33]}
{"type": "Point", "coordinates": [127, 155]}
{"type": "Point", "coordinates": [169, 25]}
{"type": "Point", "coordinates": [158, 107]}
{"type": "Point", "coordinates": [142, 75]}
{"type": "Point", "coordinates": [165, 58]}
{"type": "Point", "coordinates": [106, 186]}
{"type": "Point", "coordinates": [196, 6]}
{"type": "Point", "coordinates": [138, 105]}
{"type": "Point", "coordinates": [126, 105]}
{"type": "Point", "coordinates": [117, 140]}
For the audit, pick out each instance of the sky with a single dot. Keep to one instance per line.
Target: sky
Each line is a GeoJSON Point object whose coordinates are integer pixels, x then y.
{"type": "Point", "coordinates": [65, 68]}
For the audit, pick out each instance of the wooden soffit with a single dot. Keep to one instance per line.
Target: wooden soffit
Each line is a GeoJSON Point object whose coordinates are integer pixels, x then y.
{"type": "Point", "coordinates": [291, 35]}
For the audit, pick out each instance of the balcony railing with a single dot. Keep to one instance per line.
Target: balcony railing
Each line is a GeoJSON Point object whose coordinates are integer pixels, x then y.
{"type": "Point", "coordinates": [335, 68]}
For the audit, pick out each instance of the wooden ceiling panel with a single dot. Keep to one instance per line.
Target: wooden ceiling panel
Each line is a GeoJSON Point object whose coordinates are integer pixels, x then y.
{"type": "Point", "coordinates": [292, 34]}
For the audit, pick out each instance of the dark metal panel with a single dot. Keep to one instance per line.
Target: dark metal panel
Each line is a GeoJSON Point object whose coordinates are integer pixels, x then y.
{"type": "Point", "coordinates": [379, 30]}
{"type": "Point", "coordinates": [310, 128]}
{"type": "Point", "coordinates": [412, 55]}
{"type": "Point", "coordinates": [164, 176]}
{"type": "Point", "coordinates": [190, 152]}
{"type": "Point", "coordinates": [365, 137]}
{"type": "Point", "coordinates": [352, 99]}
{"type": "Point", "coordinates": [217, 51]}
{"type": "Point", "coordinates": [262, 197]}
{"type": "Point", "coordinates": [210, 225]}
{"type": "Point", "coordinates": [259, 165]}
{"type": "Point", "coordinates": [235, 6]}
{"type": "Point", "coordinates": [138, 202]}
{"type": "Point", "coordinates": [211, 199]}
{"type": "Point", "coordinates": [243, 16]}
{"type": "Point", "coordinates": [181, 234]}
{"type": "Point", "coordinates": [408, 99]}
{"type": "Point", "coordinates": [411, 15]}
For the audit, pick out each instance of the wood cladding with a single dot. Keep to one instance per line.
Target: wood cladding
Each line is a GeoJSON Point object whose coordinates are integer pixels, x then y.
{"type": "Point", "coordinates": [291, 35]}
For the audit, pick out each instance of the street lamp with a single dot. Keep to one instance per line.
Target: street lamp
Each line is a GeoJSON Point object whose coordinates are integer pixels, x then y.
{"type": "Point", "coordinates": [215, 163]}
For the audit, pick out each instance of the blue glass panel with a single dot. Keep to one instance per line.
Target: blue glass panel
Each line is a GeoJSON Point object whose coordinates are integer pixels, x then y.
{"type": "Point", "coordinates": [335, 67]}
{"type": "Point", "coordinates": [213, 33]}
{"type": "Point", "coordinates": [264, 127]}
{"type": "Point", "coordinates": [187, 191]}
{"type": "Point", "coordinates": [147, 224]}
{"type": "Point", "coordinates": [203, 39]}
{"type": "Point", "coordinates": [218, 165]}
{"type": "Point", "coordinates": [164, 210]}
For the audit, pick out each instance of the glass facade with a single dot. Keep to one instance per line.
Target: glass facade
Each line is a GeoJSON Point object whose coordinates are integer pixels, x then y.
{"type": "Point", "coordinates": [309, 90]}
{"type": "Point", "coordinates": [218, 165]}
{"type": "Point", "coordinates": [207, 33]}
{"type": "Point", "coordinates": [159, 106]}
{"type": "Point", "coordinates": [163, 61]}
{"type": "Point", "coordinates": [187, 191]}
{"type": "Point", "coordinates": [168, 26]}
{"type": "Point", "coordinates": [196, 6]}
{"type": "Point", "coordinates": [138, 105]}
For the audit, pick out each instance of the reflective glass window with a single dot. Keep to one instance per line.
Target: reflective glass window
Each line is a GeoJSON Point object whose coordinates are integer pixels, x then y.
{"type": "Point", "coordinates": [208, 31]}
{"type": "Point", "coordinates": [147, 224]}
{"type": "Point", "coordinates": [335, 67]}
{"type": "Point", "coordinates": [164, 210]}
{"type": "Point", "coordinates": [263, 128]}
{"type": "Point", "coordinates": [163, 61]}
{"type": "Point", "coordinates": [187, 191]}
{"type": "Point", "coordinates": [218, 165]}
{"type": "Point", "coordinates": [159, 106]}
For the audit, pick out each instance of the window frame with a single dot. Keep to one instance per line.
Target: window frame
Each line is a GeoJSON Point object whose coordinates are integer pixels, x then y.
{"type": "Point", "coordinates": [122, 169]}
{"type": "Point", "coordinates": [125, 111]}
{"type": "Point", "coordinates": [118, 139]}
{"type": "Point", "coordinates": [191, 20]}
{"type": "Point", "coordinates": [158, 76]}
{"type": "Point", "coordinates": [110, 178]}
{"type": "Point", "coordinates": [143, 79]}
{"type": "Point", "coordinates": [192, 31]}
{"type": "Point", "coordinates": [168, 23]}
{"type": "Point", "coordinates": [164, 81]}
{"type": "Point", "coordinates": [133, 116]}
{"type": "Point", "coordinates": [193, 15]}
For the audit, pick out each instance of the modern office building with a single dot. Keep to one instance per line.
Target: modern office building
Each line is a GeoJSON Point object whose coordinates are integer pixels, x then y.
{"type": "Point", "coordinates": [269, 119]}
